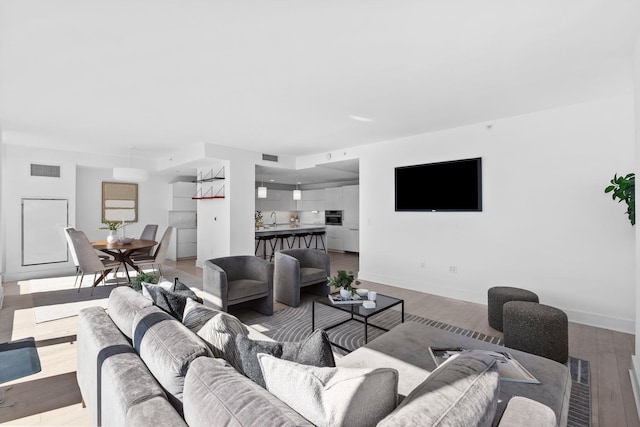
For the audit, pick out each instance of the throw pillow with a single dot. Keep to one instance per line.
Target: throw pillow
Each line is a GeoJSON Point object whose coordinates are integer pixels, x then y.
{"type": "Point", "coordinates": [181, 288]}
{"type": "Point", "coordinates": [332, 396]}
{"type": "Point", "coordinates": [174, 302]}
{"type": "Point", "coordinates": [196, 315]}
{"type": "Point", "coordinates": [220, 334]}
{"type": "Point", "coordinates": [463, 391]}
{"type": "Point", "coordinates": [149, 290]}
{"type": "Point", "coordinates": [315, 350]}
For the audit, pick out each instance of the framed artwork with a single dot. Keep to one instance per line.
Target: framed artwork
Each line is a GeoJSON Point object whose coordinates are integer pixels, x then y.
{"type": "Point", "coordinates": [119, 202]}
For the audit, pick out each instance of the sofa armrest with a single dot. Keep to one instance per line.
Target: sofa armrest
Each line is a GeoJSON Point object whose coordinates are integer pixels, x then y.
{"type": "Point", "coordinates": [521, 411]}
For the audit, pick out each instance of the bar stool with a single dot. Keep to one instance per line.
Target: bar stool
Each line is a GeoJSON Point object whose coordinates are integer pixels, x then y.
{"type": "Point", "coordinates": [282, 238]}
{"type": "Point", "coordinates": [302, 237]}
{"type": "Point", "coordinates": [317, 235]}
{"type": "Point", "coordinates": [265, 238]}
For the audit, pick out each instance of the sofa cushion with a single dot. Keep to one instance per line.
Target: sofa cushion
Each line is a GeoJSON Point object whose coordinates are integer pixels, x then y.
{"type": "Point", "coordinates": [215, 394]}
{"type": "Point", "coordinates": [521, 411]}
{"type": "Point", "coordinates": [332, 396]}
{"type": "Point", "coordinates": [314, 350]}
{"type": "Point", "coordinates": [220, 333]}
{"type": "Point", "coordinates": [124, 303]}
{"type": "Point", "coordinates": [312, 275]}
{"type": "Point", "coordinates": [461, 392]}
{"type": "Point", "coordinates": [167, 347]}
{"type": "Point", "coordinates": [156, 412]}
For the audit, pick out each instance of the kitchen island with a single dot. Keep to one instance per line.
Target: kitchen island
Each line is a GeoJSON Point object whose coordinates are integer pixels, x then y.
{"type": "Point", "coordinates": [288, 236]}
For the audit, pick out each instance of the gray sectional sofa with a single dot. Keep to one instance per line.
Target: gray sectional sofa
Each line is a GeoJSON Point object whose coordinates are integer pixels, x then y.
{"type": "Point", "coordinates": [137, 365]}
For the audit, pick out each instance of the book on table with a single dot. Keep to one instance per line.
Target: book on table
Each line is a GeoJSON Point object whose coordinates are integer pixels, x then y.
{"type": "Point", "coordinates": [509, 368]}
{"type": "Point", "coordinates": [337, 299]}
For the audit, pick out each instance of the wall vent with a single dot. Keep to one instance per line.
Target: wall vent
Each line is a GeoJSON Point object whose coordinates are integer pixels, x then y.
{"type": "Point", "coordinates": [270, 157]}
{"type": "Point", "coordinates": [49, 171]}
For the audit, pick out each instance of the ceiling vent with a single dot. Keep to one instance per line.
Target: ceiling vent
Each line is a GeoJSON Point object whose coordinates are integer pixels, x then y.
{"type": "Point", "coordinates": [270, 157]}
{"type": "Point", "coordinates": [49, 171]}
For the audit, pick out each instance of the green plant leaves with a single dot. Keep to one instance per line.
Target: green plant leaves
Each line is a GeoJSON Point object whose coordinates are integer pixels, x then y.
{"type": "Point", "coordinates": [623, 188]}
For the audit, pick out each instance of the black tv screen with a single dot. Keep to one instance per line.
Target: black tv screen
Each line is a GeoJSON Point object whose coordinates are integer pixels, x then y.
{"type": "Point", "coordinates": [446, 186]}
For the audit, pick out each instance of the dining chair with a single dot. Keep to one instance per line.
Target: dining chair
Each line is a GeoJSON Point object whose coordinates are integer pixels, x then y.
{"type": "Point", "coordinates": [72, 249]}
{"type": "Point", "coordinates": [160, 255]}
{"type": "Point", "coordinates": [88, 260]}
{"type": "Point", "coordinates": [148, 233]}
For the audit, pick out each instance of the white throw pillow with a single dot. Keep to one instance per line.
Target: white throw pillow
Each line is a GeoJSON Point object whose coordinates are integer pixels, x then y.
{"type": "Point", "coordinates": [351, 397]}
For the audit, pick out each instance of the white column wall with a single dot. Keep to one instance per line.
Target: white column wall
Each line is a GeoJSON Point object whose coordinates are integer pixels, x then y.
{"type": "Point", "coordinates": [546, 225]}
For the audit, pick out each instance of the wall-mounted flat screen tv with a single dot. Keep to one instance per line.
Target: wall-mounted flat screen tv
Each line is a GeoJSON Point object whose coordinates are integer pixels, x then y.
{"type": "Point", "coordinates": [445, 186]}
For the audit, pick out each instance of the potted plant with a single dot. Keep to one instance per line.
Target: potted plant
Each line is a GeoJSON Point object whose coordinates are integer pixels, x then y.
{"type": "Point", "coordinates": [258, 218]}
{"type": "Point", "coordinates": [113, 227]}
{"type": "Point", "coordinates": [136, 282]}
{"type": "Point", "coordinates": [623, 188]}
{"type": "Point", "coordinates": [343, 280]}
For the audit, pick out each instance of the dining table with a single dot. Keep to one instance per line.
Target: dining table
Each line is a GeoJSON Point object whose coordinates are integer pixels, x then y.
{"type": "Point", "coordinates": [122, 251]}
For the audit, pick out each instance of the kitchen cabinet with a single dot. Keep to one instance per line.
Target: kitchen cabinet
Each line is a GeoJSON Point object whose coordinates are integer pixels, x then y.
{"type": "Point", "coordinates": [182, 193]}
{"type": "Point", "coordinates": [186, 240]}
{"type": "Point", "coordinates": [351, 206]}
{"type": "Point", "coordinates": [335, 240]}
{"type": "Point", "coordinates": [277, 200]}
{"type": "Point", "coordinates": [333, 198]}
{"type": "Point", "coordinates": [312, 200]}
{"type": "Point", "coordinates": [351, 239]}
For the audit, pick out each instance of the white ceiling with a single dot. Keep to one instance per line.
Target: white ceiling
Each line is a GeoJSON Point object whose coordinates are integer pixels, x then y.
{"type": "Point", "coordinates": [286, 77]}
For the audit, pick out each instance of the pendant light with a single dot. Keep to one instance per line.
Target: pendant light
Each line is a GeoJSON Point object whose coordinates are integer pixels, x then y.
{"type": "Point", "coordinates": [297, 194]}
{"type": "Point", "coordinates": [130, 174]}
{"type": "Point", "coordinates": [262, 191]}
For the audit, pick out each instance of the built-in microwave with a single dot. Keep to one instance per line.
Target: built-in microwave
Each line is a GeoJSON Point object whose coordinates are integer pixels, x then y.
{"type": "Point", "coordinates": [333, 217]}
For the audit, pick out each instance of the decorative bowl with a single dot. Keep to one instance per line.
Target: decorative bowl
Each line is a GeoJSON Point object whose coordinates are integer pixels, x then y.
{"type": "Point", "coordinates": [362, 292]}
{"type": "Point", "coordinates": [126, 240]}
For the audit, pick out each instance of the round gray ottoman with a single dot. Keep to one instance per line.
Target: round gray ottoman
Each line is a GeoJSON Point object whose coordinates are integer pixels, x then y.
{"type": "Point", "coordinates": [536, 328]}
{"type": "Point", "coordinates": [499, 295]}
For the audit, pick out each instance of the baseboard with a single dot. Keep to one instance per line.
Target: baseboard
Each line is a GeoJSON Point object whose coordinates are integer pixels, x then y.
{"type": "Point", "coordinates": [587, 318]}
{"type": "Point", "coordinates": [634, 372]}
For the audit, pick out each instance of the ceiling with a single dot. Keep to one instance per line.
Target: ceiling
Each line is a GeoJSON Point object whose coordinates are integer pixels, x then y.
{"type": "Point", "coordinates": [329, 173]}
{"type": "Point", "coordinates": [293, 77]}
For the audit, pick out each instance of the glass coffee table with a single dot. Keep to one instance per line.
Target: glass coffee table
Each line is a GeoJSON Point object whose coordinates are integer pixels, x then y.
{"type": "Point", "coordinates": [358, 314]}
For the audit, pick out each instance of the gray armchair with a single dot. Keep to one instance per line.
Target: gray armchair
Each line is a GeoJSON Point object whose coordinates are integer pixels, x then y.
{"type": "Point", "coordinates": [242, 279]}
{"type": "Point", "coordinates": [300, 268]}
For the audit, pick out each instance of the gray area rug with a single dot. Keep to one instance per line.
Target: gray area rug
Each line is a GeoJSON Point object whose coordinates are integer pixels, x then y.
{"type": "Point", "coordinates": [18, 359]}
{"type": "Point", "coordinates": [294, 324]}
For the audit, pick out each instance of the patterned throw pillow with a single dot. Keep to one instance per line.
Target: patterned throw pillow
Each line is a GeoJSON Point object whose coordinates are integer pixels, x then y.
{"type": "Point", "coordinates": [220, 332]}
{"type": "Point", "coordinates": [196, 315]}
{"type": "Point", "coordinates": [315, 350]}
{"type": "Point", "coordinates": [332, 396]}
{"type": "Point", "coordinates": [149, 290]}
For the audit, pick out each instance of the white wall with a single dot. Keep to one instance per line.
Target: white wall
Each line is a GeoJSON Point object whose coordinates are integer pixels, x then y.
{"type": "Point", "coordinates": [80, 183]}
{"type": "Point", "coordinates": [546, 223]}
{"type": "Point", "coordinates": [154, 203]}
{"type": "Point", "coordinates": [18, 184]}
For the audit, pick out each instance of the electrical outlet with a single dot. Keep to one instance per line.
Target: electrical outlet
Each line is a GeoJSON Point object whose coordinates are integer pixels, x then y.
{"type": "Point", "coordinates": [453, 269]}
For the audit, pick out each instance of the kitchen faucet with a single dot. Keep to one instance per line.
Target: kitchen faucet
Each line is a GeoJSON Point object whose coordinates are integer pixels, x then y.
{"type": "Point", "coordinates": [275, 218]}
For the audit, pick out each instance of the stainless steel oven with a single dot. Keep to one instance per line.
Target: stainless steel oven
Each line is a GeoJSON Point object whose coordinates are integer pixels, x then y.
{"type": "Point", "coordinates": [333, 217]}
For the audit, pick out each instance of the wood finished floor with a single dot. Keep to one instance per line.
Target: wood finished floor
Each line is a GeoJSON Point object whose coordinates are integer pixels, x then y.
{"type": "Point", "coordinates": [51, 397]}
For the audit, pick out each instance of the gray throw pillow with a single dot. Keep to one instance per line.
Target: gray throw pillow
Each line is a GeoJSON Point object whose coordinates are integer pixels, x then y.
{"type": "Point", "coordinates": [463, 391]}
{"type": "Point", "coordinates": [174, 302]}
{"type": "Point", "coordinates": [149, 290]}
{"type": "Point", "coordinates": [315, 350]}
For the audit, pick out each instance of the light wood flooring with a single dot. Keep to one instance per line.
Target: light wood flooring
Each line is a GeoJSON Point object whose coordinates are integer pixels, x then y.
{"type": "Point", "coordinates": [51, 397]}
